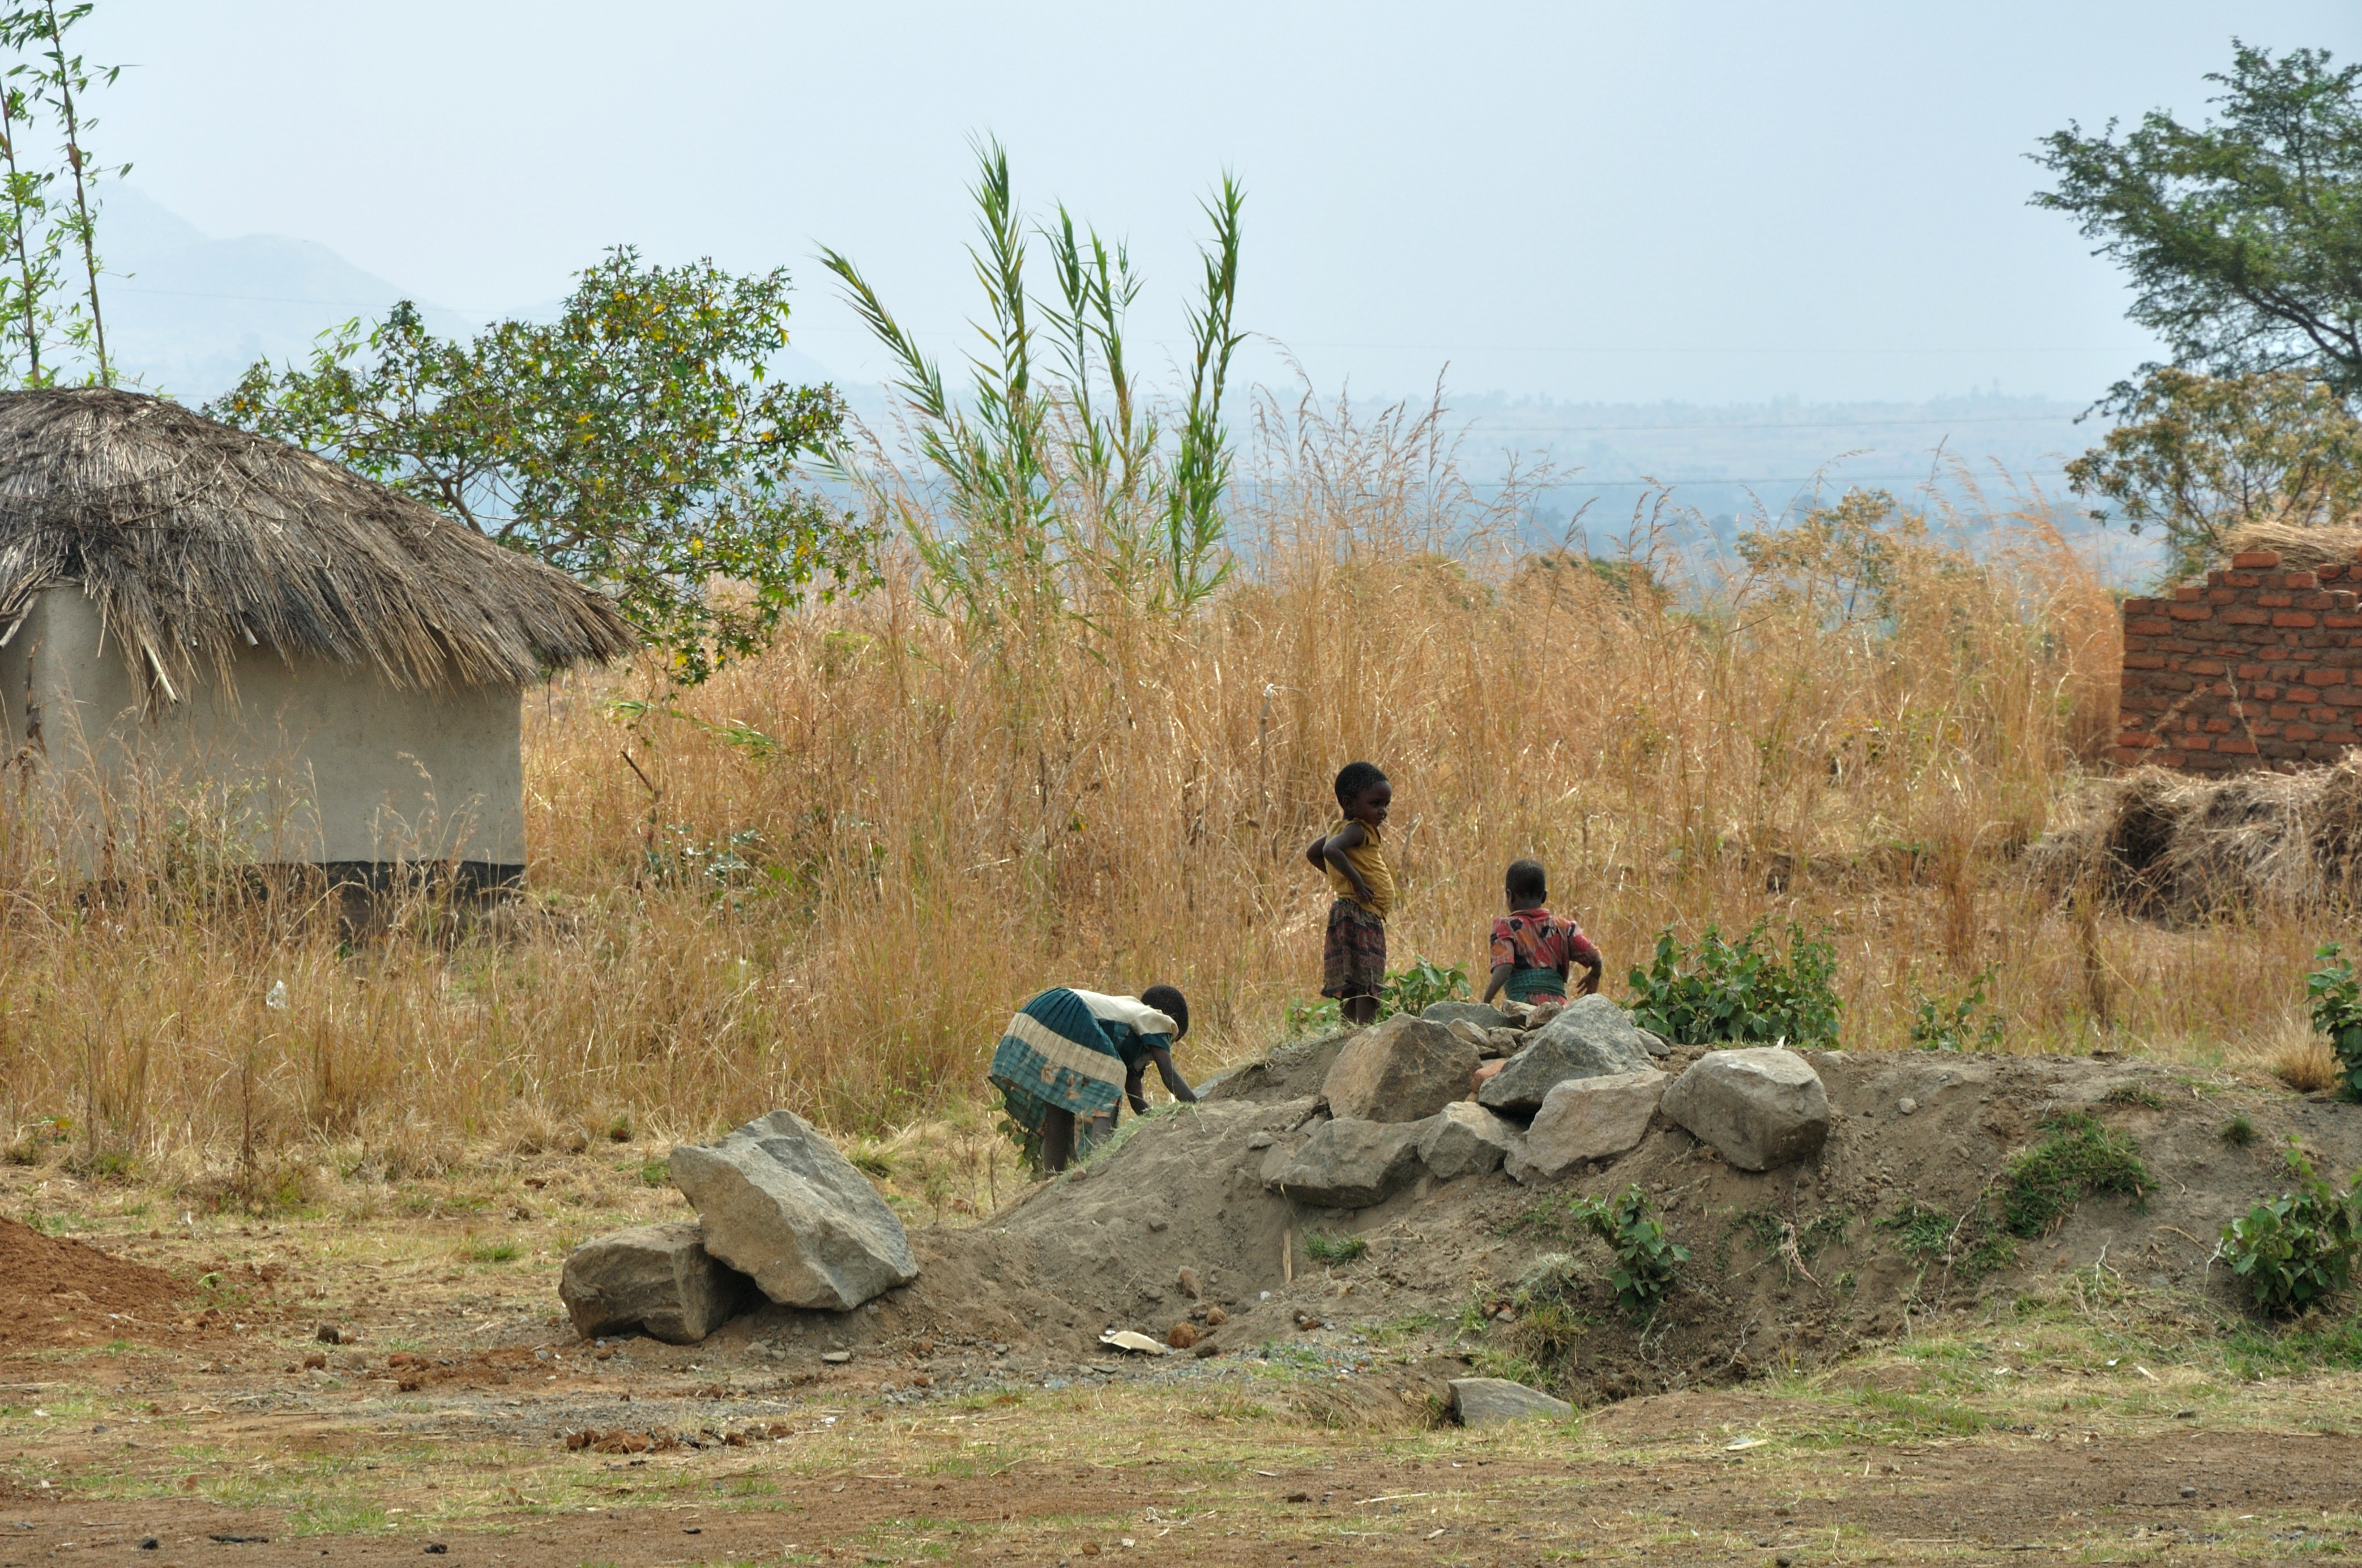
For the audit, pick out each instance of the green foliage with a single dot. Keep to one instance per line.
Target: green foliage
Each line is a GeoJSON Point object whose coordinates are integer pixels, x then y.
{"type": "Point", "coordinates": [1062, 479]}
{"type": "Point", "coordinates": [2336, 999]}
{"type": "Point", "coordinates": [1317, 1016]}
{"type": "Point", "coordinates": [1968, 1246]}
{"type": "Point", "coordinates": [635, 443]}
{"type": "Point", "coordinates": [2041, 1185]}
{"type": "Point", "coordinates": [2200, 457]}
{"type": "Point", "coordinates": [2297, 1249]}
{"type": "Point", "coordinates": [1548, 1317]}
{"type": "Point", "coordinates": [1333, 1249]}
{"type": "Point", "coordinates": [656, 1171]}
{"type": "Point", "coordinates": [1419, 987]}
{"type": "Point", "coordinates": [1646, 1261]}
{"type": "Point", "coordinates": [47, 318]}
{"type": "Point", "coordinates": [1739, 993]}
{"type": "Point", "coordinates": [1950, 1023]}
{"type": "Point", "coordinates": [2239, 236]}
{"type": "Point", "coordinates": [2238, 1133]}
{"type": "Point", "coordinates": [1845, 561]}
{"type": "Point", "coordinates": [495, 1251]}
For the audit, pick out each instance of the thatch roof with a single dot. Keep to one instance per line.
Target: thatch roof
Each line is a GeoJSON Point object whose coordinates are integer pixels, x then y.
{"type": "Point", "coordinates": [2302, 546]}
{"type": "Point", "coordinates": [198, 541]}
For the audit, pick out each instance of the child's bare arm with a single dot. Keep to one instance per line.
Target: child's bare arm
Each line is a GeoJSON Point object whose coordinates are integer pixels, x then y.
{"type": "Point", "coordinates": [1500, 977]}
{"type": "Point", "coordinates": [1135, 1089]}
{"type": "Point", "coordinates": [1592, 970]}
{"type": "Point", "coordinates": [1333, 853]}
{"type": "Point", "coordinates": [1174, 1083]}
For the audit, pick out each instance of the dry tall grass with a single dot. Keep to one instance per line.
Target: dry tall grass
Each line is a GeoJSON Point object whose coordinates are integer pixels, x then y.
{"type": "Point", "coordinates": [824, 879]}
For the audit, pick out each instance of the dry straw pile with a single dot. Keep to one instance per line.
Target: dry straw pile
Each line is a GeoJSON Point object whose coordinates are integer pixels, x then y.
{"type": "Point", "coordinates": [824, 879]}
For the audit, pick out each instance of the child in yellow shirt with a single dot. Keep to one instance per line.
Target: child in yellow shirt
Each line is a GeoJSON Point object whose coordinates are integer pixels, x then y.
{"type": "Point", "coordinates": [1353, 857]}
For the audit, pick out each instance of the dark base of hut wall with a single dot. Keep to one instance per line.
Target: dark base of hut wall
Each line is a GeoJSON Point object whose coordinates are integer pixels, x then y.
{"type": "Point", "coordinates": [369, 894]}
{"type": "Point", "coordinates": [2254, 668]}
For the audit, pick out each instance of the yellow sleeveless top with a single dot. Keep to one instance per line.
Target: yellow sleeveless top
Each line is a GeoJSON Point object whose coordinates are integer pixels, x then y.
{"type": "Point", "coordinates": [1368, 858]}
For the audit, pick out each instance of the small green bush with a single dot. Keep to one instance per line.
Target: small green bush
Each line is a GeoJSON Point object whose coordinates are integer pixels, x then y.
{"type": "Point", "coordinates": [1646, 1261]}
{"type": "Point", "coordinates": [1951, 1024]}
{"type": "Point", "coordinates": [2298, 1248]}
{"type": "Point", "coordinates": [2081, 1155]}
{"type": "Point", "coordinates": [2239, 1132]}
{"type": "Point", "coordinates": [1333, 1249]}
{"type": "Point", "coordinates": [1548, 1320]}
{"type": "Point", "coordinates": [1421, 987]}
{"type": "Point", "coordinates": [1739, 993]}
{"type": "Point", "coordinates": [2336, 997]}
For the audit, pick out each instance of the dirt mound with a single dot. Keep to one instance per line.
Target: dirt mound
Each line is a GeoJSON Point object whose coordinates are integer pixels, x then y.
{"type": "Point", "coordinates": [2167, 846]}
{"type": "Point", "coordinates": [57, 1292]}
{"type": "Point", "coordinates": [1900, 1218]}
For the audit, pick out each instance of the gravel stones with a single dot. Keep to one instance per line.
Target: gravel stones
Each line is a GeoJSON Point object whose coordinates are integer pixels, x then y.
{"type": "Point", "coordinates": [1588, 1119]}
{"type": "Point", "coordinates": [1759, 1108]}
{"type": "Point", "coordinates": [1478, 1013]}
{"type": "Point", "coordinates": [1466, 1139]}
{"type": "Point", "coordinates": [780, 1203]}
{"type": "Point", "coordinates": [1352, 1164]}
{"type": "Point", "coordinates": [1493, 1401]}
{"type": "Point", "coordinates": [1587, 1039]}
{"type": "Point", "coordinates": [656, 1277]}
{"type": "Point", "coordinates": [1404, 1069]}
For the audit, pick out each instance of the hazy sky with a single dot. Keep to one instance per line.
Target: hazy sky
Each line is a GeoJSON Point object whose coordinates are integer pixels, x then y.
{"type": "Point", "coordinates": [1583, 201]}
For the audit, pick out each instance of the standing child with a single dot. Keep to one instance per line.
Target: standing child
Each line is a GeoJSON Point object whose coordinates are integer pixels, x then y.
{"type": "Point", "coordinates": [1532, 948]}
{"type": "Point", "coordinates": [1353, 958]}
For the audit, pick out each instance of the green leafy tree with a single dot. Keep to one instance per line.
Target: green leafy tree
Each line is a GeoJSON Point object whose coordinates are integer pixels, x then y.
{"type": "Point", "coordinates": [47, 321]}
{"type": "Point", "coordinates": [2336, 999]}
{"type": "Point", "coordinates": [637, 442]}
{"type": "Point", "coordinates": [2200, 456]}
{"type": "Point", "coordinates": [2243, 238]}
{"type": "Point", "coordinates": [1059, 476]}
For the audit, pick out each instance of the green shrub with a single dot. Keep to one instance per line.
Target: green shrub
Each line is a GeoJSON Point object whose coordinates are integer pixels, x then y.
{"type": "Point", "coordinates": [1739, 993]}
{"type": "Point", "coordinates": [1548, 1321]}
{"type": "Point", "coordinates": [1646, 1261]}
{"type": "Point", "coordinates": [2336, 999]}
{"type": "Point", "coordinates": [2299, 1248]}
{"type": "Point", "coordinates": [1421, 987]}
{"type": "Point", "coordinates": [1333, 1249]}
{"type": "Point", "coordinates": [2239, 1132]}
{"type": "Point", "coordinates": [1318, 1016]}
{"type": "Point", "coordinates": [2041, 1187]}
{"type": "Point", "coordinates": [1950, 1024]}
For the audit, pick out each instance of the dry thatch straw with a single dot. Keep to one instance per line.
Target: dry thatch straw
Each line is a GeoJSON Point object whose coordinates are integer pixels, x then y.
{"type": "Point", "coordinates": [2302, 546]}
{"type": "Point", "coordinates": [198, 540]}
{"type": "Point", "coordinates": [2167, 846]}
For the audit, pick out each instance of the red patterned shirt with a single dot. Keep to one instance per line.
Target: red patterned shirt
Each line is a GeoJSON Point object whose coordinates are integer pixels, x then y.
{"type": "Point", "coordinates": [1537, 939]}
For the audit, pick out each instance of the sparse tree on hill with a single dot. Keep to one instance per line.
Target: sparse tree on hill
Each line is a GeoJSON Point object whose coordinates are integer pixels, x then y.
{"type": "Point", "coordinates": [637, 442]}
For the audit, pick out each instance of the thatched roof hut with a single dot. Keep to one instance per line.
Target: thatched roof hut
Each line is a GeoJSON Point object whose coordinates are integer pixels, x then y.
{"type": "Point", "coordinates": [197, 541]}
{"type": "Point", "coordinates": [338, 666]}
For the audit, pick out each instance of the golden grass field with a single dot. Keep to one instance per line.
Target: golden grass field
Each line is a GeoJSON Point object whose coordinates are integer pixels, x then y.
{"type": "Point", "coordinates": [822, 879]}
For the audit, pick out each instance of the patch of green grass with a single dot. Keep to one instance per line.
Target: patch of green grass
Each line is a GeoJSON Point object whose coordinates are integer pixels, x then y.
{"type": "Point", "coordinates": [1915, 1416]}
{"type": "Point", "coordinates": [656, 1171]}
{"type": "Point", "coordinates": [494, 1251]}
{"type": "Point", "coordinates": [336, 1516]}
{"type": "Point", "coordinates": [2082, 1155]}
{"type": "Point", "coordinates": [1333, 1249]}
{"type": "Point", "coordinates": [1402, 1330]}
{"type": "Point", "coordinates": [2140, 1095]}
{"type": "Point", "coordinates": [2238, 1133]}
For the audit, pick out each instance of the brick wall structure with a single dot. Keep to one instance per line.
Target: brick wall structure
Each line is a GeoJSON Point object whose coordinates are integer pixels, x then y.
{"type": "Point", "coordinates": [2257, 667]}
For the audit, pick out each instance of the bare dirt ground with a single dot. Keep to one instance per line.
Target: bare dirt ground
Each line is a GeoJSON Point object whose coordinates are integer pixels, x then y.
{"type": "Point", "coordinates": [2097, 1395]}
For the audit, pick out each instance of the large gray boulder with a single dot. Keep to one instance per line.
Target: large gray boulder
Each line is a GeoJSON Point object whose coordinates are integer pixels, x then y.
{"type": "Point", "coordinates": [656, 1277]}
{"type": "Point", "coordinates": [1759, 1108]}
{"type": "Point", "coordinates": [1481, 1014]}
{"type": "Point", "coordinates": [1404, 1069]}
{"type": "Point", "coordinates": [781, 1204]}
{"type": "Point", "coordinates": [1352, 1164]}
{"type": "Point", "coordinates": [1466, 1139]}
{"type": "Point", "coordinates": [1590, 1038]}
{"type": "Point", "coordinates": [1491, 1401]}
{"type": "Point", "coordinates": [1588, 1119]}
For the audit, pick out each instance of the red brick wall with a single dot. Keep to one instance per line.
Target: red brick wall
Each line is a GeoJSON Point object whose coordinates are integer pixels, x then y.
{"type": "Point", "coordinates": [2254, 668]}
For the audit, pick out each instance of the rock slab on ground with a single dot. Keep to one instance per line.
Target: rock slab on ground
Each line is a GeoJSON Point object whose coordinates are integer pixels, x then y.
{"type": "Point", "coordinates": [780, 1203]}
{"type": "Point", "coordinates": [1759, 1108]}
{"type": "Point", "coordinates": [1493, 1401]}
{"type": "Point", "coordinates": [656, 1277]}
{"type": "Point", "coordinates": [1483, 1015]}
{"type": "Point", "coordinates": [1352, 1164]}
{"type": "Point", "coordinates": [1588, 1119]}
{"type": "Point", "coordinates": [1404, 1069]}
{"type": "Point", "coordinates": [1589, 1038]}
{"type": "Point", "coordinates": [1466, 1139]}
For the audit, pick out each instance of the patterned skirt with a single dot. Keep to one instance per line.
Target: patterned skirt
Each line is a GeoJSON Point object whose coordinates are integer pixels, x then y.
{"type": "Point", "coordinates": [1354, 957]}
{"type": "Point", "coordinates": [1054, 1057]}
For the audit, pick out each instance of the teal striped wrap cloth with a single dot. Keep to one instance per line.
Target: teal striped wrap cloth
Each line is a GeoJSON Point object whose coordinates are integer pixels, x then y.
{"type": "Point", "coordinates": [1066, 1050]}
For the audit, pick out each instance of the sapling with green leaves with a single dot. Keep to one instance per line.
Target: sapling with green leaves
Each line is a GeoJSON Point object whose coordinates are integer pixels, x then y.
{"type": "Point", "coordinates": [2336, 999]}
{"type": "Point", "coordinates": [2296, 1250]}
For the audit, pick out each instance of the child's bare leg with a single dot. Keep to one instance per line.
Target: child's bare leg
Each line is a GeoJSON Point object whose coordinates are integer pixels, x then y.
{"type": "Point", "coordinates": [1360, 1010]}
{"type": "Point", "coordinates": [1057, 1140]}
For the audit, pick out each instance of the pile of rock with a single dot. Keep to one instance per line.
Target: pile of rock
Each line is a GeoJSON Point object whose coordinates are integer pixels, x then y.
{"type": "Point", "coordinates": [1577, 1083]}
{"type": "Point", "coordinates": [781, 1215]}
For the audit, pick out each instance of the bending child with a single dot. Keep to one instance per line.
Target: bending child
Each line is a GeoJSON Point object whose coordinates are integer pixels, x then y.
{"type": "Point", "coordinates": [1532, 948]}
{"type": "Point", "coordinates": [1354, 957]}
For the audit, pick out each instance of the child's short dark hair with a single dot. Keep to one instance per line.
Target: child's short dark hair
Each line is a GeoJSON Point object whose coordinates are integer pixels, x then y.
{"type": "Point", "coordinates": [1527, 881]}
{"type": "Point", "coordinates": [1356, 779]}
{"type": "Point", "coordinates": [1169, 1002]}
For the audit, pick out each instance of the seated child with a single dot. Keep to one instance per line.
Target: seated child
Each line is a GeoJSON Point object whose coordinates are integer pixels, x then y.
{"type": "Point", "coordinates": [1532, 948]}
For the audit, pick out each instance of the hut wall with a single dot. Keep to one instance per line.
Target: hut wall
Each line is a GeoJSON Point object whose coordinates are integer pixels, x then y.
{"type": "Point", "coordinates": [307, 761]}
{"type": "Point", "coordinates": [2254, 668]}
